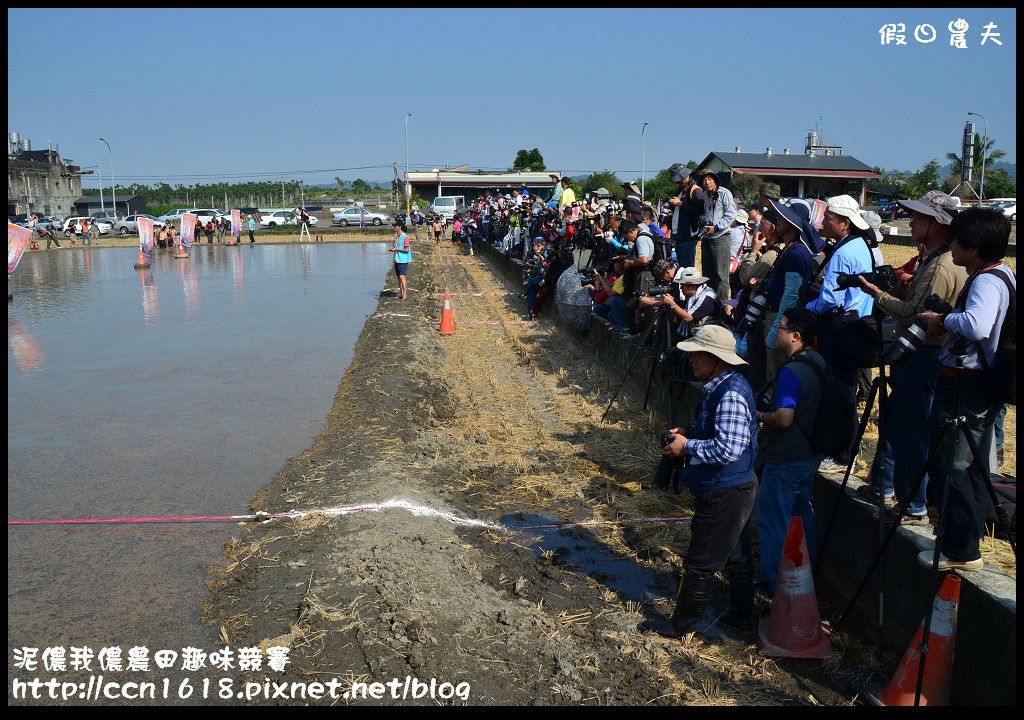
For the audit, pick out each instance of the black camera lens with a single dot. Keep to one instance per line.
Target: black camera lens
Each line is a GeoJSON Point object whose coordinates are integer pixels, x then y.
{"type": "Point", "coordinates": [755, 310]}
{"type": "Point", "coordinates": [908, 341]}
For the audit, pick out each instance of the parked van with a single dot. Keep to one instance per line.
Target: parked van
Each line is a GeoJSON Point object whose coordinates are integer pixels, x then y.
{"type": "Point", "coordinates": [448, 205]}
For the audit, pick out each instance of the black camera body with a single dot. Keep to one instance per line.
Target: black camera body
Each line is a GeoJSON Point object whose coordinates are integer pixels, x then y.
{"type": "Point", "coordinates": [667, 437]}
{"type": "Point", "coordinates": [702, 231]}
{"type": "Point", "coordinates": [762, 403]}
{"type": "Point", "coordinates": [883, 276]}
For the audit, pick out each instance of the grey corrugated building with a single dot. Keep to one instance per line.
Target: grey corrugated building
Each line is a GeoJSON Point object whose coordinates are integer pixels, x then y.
{"type": "Point", "coordinates": [821, 171]}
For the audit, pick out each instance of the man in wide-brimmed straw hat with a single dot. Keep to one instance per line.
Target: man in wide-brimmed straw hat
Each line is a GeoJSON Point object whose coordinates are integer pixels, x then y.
{"type": "Point", "coordinates": [721, 446]}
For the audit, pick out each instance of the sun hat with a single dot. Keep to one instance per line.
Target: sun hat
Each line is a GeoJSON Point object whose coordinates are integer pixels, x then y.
{"type": "Point", "coordinates": [795, 216]}
{"type": "Point", "coordinates": [689, 276]}
{"type": "Point", "coordinates": [771, 191]}
{"type": "Point", "coordinates": [874, 221]}
{"type": "Point", "coordinates": [678, 172]}
{"type": "Point", "coordinates": [631, 187]}
{"type": "Point", "coordinates": [710, 173]}
{"type": "Point", "coordinates": [933, 203]}
{"type": "Point", "coordinates": [845, 206]}
{"type": "Point", "coordinates": [741, 217]}
{"type": "Point", "coordinates": [716, 340]}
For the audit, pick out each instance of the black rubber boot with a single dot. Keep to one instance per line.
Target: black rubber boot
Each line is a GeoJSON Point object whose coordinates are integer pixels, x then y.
{"type": "Point", "coordinates": [690, 606]}
{"type": "Point", "coordinates": [740, 614]}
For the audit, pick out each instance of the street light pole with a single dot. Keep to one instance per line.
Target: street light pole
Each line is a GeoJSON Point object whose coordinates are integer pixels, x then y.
{"type": "Point", "coordinates": [113, 185]}
{"type": "Point", "coordinates": [643, 162]}
{"type": "Point", "coordinates": [984, 146]}
{"type": "Point", "coordinates": [407, 193]}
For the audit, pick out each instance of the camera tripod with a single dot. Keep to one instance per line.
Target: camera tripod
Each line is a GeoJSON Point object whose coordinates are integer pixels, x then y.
{"type": "Point", "coordinates": [957, 424]}
{"type": "Point", "coordinates": [655, 341]}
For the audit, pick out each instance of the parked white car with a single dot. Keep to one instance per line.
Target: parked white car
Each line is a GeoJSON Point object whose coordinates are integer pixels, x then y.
{"type": "Point", "coordinates": [73, 225]}
{"type": "Point", "coordinates": [205, 215]}
{"type": "Point", "coordinates": [280, 218]}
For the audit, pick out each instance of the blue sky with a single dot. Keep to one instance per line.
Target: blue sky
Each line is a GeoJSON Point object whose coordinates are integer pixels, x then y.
{"type": "Point", "coordinates": [227, 95]}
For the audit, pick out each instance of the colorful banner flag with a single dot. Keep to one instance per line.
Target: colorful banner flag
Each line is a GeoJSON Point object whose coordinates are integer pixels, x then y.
{"type": "Point", "coordinates": [818, 213]}
{"type": "Point", "coordinates": [236, 224]}
{"type": "Point", "coordinates": [17, 239]}
{"type": "Point", "coordinates": [188, 229]}
{"type": "Point", "coordinates": [145, 226]}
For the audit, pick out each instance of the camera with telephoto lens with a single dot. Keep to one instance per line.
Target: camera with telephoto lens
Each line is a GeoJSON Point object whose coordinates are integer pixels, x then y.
{"type": "Point", "coordinates": [755, 311]}
{"type": "Point", "coordinates": [911, 338]}
{"type": "Point", "coordinates": [666, 211]}
{"type": "Point", "coordinates": [658, 290]}
{"type": "Point", "coordinates": [667, 472]}
{"type": "Point", "coordinates": [883, 276]}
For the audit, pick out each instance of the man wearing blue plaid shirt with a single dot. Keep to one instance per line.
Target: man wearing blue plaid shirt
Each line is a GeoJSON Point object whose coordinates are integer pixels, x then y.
{"type": "Point", "coordinates": [719, 449]}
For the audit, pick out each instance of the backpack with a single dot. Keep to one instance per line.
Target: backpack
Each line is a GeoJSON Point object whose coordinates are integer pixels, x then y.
{"type": "Point", "coordinates": [1000, 380]}
{"type": "Point", "coordinates": [835, 419]}
{"type": "Point", "coordinates": [1005, 488]}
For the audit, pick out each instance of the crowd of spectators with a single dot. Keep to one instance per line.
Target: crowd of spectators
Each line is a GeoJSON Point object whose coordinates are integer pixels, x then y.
{"type": "Point", "coordinates": [783, 289]}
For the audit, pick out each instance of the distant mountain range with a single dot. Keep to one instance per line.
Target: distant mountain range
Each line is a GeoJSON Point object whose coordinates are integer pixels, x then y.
{"type": "Point", "coordinates": [946, 170]}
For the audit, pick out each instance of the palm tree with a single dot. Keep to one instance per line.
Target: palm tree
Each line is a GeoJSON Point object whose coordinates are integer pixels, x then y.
{"type": "Point", "coordinates": [980, 160]}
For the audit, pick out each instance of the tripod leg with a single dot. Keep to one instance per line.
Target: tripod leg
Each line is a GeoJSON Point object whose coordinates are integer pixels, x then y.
{"type": "Point", "coordinates": [888, 538]}
{"type": "Point", "coordinates": [625, 375]}
{"type": "Point", "coordinates": [875, 389]}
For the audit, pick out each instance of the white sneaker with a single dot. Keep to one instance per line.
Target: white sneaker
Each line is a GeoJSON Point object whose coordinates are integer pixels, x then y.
{"type": "Point", "coordinates": [828, 465]}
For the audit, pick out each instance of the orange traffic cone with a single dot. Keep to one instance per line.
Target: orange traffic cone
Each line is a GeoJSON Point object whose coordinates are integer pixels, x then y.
{"type": "Point", "coordinates": [142, 261]}
{"type": "Point", "coordinates": [181, 254]}
{"type": "Point", "coordinates": [447, 321]}
{"type": "Point", "coordinates": [938, 663]}
{"type": "Point", "coordinates": [794, 628]}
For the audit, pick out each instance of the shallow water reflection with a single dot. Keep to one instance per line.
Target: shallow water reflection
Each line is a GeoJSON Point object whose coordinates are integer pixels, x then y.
{"type": "Point", "coordinates": [179, 390]}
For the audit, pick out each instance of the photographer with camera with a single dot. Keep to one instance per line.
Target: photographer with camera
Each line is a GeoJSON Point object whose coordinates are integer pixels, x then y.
{"type": "Point", "coordinates": [791, 466]}
{"type": "Point", "coordinates": [638, 279]}
{"type": "Point", "coordinates": [967, 384]}
{"type": "Point", "coordinates": [612, 305]}
{"type": "Point", "coordinates": [903, 439]}
{"type": "Point", "coordinates": [693, 304]}
{"type": "Point", "coordinates": [841, 298]}
{"type": "Point", "coordinates": [715, 233]}
{"type": "Point", "coordinates": [687, 212]}
{"type": "Point", "coordinates": [752, 301]}
{"type": "Point", "coordinates": [719, 450]}
{"type": "Point", "coordinates": [793, 269]}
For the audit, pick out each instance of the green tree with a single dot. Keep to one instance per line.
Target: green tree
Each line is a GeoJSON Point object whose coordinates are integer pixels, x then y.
{"type": "Point", "coordinates": [998, 183]}
{"type": "Point", "coordinates": [529, 160]}
{"type": "Point", "coordinates": [602, 179]}
{"type": "Point", "coordinates": [925, 179]}
{"type": "Point", "coordinates": [746, 188]}
{"type": "Point", "coordinates": [361, 187]}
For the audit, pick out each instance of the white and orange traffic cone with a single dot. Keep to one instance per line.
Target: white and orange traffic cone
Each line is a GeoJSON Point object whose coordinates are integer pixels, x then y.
{"type": "Point", "coordinates": [181, 254]}
{"type": "Point", "coordinates": [447, 320]}
{"type": "Point", "coordinates": [141, 264]}
{"type": "Point", "coordinates": [794, 628]}
{"type": "Point", "coordinates": [938, 662]}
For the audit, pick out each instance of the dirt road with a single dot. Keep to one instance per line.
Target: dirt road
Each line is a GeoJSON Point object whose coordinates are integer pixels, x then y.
{"type": "Point", "coordinates": [467, 518]}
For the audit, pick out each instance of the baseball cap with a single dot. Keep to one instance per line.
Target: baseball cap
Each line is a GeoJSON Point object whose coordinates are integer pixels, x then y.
{"type": "Point", "coordinates": [678, 172]}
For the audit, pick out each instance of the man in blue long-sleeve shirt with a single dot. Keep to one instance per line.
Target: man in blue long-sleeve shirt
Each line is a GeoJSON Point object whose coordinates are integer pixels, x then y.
{"type": "Point", "coordinates": [836, 306]}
